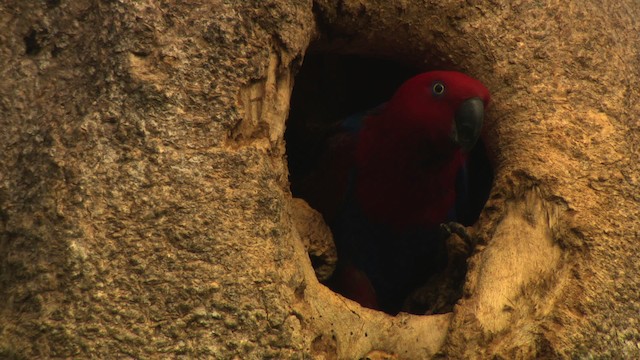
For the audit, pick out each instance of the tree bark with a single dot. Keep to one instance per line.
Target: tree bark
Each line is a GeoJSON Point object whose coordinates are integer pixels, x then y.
{"type": "Point", "coordinates": [145, 209]}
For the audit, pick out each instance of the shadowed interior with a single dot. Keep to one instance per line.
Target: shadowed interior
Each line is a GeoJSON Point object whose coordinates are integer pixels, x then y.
{"type": "Point", "coordinates": [331, 87]}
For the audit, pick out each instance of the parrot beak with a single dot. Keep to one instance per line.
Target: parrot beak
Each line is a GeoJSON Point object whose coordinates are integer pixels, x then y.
{"type": "Point", "coordinates": [468, 123]}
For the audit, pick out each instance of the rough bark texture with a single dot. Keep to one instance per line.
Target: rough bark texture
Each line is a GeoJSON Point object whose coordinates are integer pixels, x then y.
{"type": "Point", "coordinates": [144, 202]}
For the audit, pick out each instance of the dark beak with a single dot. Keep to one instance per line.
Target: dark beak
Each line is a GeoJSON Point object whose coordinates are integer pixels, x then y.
{"type": "Point", "coordinates": [468, 123]}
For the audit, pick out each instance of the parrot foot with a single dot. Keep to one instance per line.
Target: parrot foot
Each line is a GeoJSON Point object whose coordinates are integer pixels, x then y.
{"type": "Point", "coordinates": [442, 290]}
{"type": "Point", "coordinates": [451, 228]}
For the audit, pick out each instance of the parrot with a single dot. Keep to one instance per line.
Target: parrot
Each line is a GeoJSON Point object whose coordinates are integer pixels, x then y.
{"type": "Point", "coordinates": [389, 178]}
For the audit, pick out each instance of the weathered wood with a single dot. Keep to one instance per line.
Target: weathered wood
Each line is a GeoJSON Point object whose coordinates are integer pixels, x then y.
{"type": "Point", "coordinates": [144, 202]}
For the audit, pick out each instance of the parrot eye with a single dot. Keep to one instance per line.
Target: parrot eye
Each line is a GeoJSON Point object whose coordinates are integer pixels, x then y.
{"type": "Point", "coordinates": [438, 88]}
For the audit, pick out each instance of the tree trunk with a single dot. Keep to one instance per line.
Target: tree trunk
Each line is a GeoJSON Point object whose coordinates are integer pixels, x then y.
{"type": "Point", "coordinates": [145, 208]}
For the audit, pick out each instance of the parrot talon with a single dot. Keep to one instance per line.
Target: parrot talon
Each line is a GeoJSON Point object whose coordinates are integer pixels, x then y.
{"type": "Point", "coordinates": [452, 227]}
{"type": "Point", "coordinates": [438, 294]}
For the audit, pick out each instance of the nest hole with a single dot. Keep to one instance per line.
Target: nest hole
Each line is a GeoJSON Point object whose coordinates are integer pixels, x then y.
{"type": "Point", "coordinates": [330, 88]}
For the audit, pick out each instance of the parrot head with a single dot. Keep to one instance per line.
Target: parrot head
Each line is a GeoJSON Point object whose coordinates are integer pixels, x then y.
{"type": "Point", "coordinates": [410, 152]}
{"type": "Point", "coordinates": [441, 106]}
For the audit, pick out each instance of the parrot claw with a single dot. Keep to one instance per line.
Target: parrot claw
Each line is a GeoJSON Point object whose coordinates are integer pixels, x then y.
{"type": "Point", "coordinates": [452, 227]}
{"type": "Point", "coordinates": [438, 294]}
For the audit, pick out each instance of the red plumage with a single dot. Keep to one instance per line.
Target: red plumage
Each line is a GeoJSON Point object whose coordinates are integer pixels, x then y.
{"type": "Point", "coordinates": [385, 185]}
{"type": "Point", "coordinates": [406, 162]}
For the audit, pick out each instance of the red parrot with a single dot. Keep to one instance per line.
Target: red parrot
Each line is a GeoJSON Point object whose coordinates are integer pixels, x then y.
{"type": "Point", "coordinates": [390, 178]}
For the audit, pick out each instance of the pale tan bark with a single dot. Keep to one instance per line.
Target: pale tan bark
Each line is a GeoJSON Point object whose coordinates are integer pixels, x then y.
{"type": "Point", "coordinates": [144, 202]}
